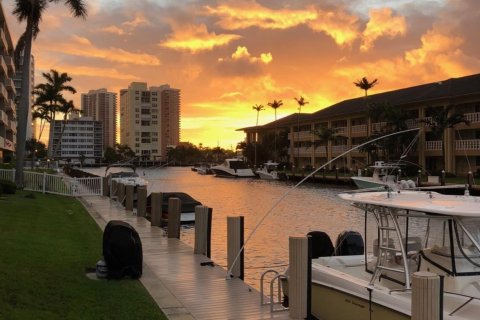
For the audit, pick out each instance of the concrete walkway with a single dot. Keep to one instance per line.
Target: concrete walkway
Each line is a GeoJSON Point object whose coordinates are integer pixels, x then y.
{"type": "Point", "coordinates": [173, 276]}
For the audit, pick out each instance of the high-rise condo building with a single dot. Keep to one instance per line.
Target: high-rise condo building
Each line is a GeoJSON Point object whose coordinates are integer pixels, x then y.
{"type": "Point", "coordinates": [150, 120]}
{"type": "Point", "coordinates": [31, 127]}
{"type": "Point", "coordinates": [8, 123]}
{"type": "Point", "coordinates": [101, 105]}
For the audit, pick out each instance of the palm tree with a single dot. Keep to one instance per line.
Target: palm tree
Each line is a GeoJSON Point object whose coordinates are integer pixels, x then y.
{"type": "Point", "coordinates": [275, 105]}
{"type": "Point", "coordinates": [258, 108]}
{"type": "Point", "coordinates": [67, 108]}
{"type": "Point", "coordinates": [441, 119]}
{"type": "Point", "coordinates": [366, 85]}
{"type": "Point", "coordinates": [31, 12]}
{"type": "Point", "coordinates": [325, 134]}
{"type": "Point", "coordinates": [41, 112]}
{"type": "Point", "coordinates": [301, 102]}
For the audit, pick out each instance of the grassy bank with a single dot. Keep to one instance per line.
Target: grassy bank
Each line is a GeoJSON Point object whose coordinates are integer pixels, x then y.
{"type": "Point", "coordinates": [45, 245]}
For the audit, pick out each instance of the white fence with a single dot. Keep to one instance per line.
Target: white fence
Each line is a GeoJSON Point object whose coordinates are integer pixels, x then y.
{"type": "Point", "coordinates": [57, 184]}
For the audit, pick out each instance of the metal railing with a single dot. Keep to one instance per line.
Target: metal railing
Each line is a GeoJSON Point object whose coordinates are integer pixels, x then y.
{"type": "Point", "coordinates": [57, 184]}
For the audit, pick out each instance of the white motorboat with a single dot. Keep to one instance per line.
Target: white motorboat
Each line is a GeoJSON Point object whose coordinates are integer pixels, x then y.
{"type": "Point", "coordinates": [405, 232]}
{"type": "Point", "coordinates": [127, 178]}
{"type": "Point", "coordinates": [384, 175]}
{"type": "Point", "coordinates": [233, 168]}
{"type": "Point", "coordinates": [268, 171]}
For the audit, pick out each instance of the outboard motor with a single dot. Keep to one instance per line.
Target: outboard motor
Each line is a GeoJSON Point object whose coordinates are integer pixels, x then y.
{"type": "Point", "coordinates": [349, 243]}
{"type": "Point", "coordinates": [122, 250]}
{"type": "Point", "coordinates": [322, 245]}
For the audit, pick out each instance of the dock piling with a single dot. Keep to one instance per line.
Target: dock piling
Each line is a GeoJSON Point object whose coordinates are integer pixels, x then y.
{"type": "Point", "coordinates": [174, 211]}
{"type": "Point", "coordinates": [203, 230]}
{"type": "Point", "coordinates": [156, 211]}
{"type": "Point", "coordinates": [129, 189]}
{"type": "Point", "coordinates": [427, 296]}
{"type": "Point", "coordinates": [235, 239]}
{"type": "Point", "coordinates": [299, 281]}
{"type": "Point", "coordinates": [141, 201]}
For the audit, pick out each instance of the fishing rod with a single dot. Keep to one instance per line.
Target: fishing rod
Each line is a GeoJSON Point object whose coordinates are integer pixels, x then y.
{"type": "Point", "coordinates": [229, 272]}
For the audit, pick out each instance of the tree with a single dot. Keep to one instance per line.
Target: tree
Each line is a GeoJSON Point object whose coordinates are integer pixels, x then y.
{"type": "Point", "coordinates": [365, 85]}
{"type": "Point", "coordinates": [441, 119]}
{"type": "Point", "coordinates": [31, 12]}
{"type": "Point", "coordinates": [258, 108]}
{"type": "Point", "coordinates": [275, 105]}
{"type": "Point", "coordinates": [325, 134]}
{"type": "Point", "coordinates": [301, 102]}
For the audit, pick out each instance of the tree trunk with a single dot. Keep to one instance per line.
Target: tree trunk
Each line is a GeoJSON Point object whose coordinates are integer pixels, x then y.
{"type": "Point", "coordinates": [60, 138]}
{"type": "Point", "coordinates": [23, 107]}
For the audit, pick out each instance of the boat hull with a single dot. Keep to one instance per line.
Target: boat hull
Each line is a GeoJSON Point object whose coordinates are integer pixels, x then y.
{"type": "Point", "coordinates": [366, 183]}
{"type": "Point", "coordinates": [331, 304]}
{"type": "Point", "coordinates": [266, 176]}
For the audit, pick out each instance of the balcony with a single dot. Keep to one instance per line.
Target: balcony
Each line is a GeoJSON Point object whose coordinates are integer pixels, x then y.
{"type": "Point", "coordinates": [362, 128]}
{"type": "Point", "coordinates": [302, 151]}
{"type": "Point", "coordinates": [10, 105]}
{"type": "Point", "coordinates": [378, 126]}
{"type": "Point", "coordinates": [412, 123]}
{"type": "Point", "coordinates": [3, 91]}
{"type": "Point", "coordinates": [433, 145]}
{"type": "Point", "coordinates": [10, 64]}
{"type": "Point", "coordinates": [339, 148]}
{"type": "Point", "coordinates": [320, 151]}
{"type": "Point", "coordinates": [473, 117]}
{"type": "Point", "coordinates": [3, 117]}
{"type": "Point", "coordinates": [12, 126]}
{"type": "Point", "coordinates": [473, 144]}
{"type": "Point", "coordinates": [3, 40]}
{"type": "Point", "coordinates": [10, 85]}
{"type": "Point", "coordinates": [340, 130]}
{"type": "Point", "coordinates": [300, 136]}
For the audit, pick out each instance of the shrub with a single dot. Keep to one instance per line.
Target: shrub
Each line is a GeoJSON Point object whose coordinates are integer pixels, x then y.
{"type": "Point", "coordinates": [8, 187]}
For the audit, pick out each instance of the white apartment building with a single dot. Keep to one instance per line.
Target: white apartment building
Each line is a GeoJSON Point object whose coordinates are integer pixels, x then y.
{"type": "Point", "coordinates": [101, 105]}
{"type": "Point", "coordinates": [31, 124]}
{"type": "Point", "coordinates": [150, 120]}
{"type": "Point", "coordinates": [81, 138]}
{"type": "Point", "coordinates": [8, 123]}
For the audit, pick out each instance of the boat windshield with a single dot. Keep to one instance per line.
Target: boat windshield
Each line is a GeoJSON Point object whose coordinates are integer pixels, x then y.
{"type": "Point", "coordinates": [237, 164]}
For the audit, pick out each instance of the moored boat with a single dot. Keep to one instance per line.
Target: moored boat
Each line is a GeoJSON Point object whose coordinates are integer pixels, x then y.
{"type": "Point", "coordinates": [188, 204]}
{"type": "Point", "coordinates": [268, 171]}
{"type": "Point", "coordinates": [405, 232]}
{"type": "Point", "coordinates": [233, 168]}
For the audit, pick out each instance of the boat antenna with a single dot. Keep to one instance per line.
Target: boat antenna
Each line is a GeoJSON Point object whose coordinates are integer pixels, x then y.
{"type": "Point", "coordinates": [229, 271]}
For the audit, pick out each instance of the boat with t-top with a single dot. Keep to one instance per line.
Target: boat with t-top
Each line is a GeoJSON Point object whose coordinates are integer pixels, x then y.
{"type": "Point", "coordinates": [405, 231]}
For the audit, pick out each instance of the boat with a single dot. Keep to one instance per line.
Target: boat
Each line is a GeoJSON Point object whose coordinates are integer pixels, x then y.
{"type": "Point", "coordinates": [405, 231]}
{"type": "Point", "coordinates": [127, 178]}
{"type": "Point", "coordinates": [233, 168]}
{"type": "Point", "coordinates": [383, 176]}
{"type": "Point", "coordinates": [204, 169]}
{"type": "Point", "coordinates": [188, 204]}
{"type": "Point", "coordinates": [268, 171]}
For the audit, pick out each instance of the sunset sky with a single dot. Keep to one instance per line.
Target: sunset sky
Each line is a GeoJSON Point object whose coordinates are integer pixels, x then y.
{"type": "Point", "coordinates": [227, 56]}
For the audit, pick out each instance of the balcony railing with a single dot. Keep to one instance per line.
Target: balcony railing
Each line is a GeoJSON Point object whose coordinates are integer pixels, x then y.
{"type": "Point", "coordinates": [303, 151]}
{"type": "Point", "coordinates": [3, 65]}
{"type": "Point", "coordinates": [8, 144]}
{"type": "Point", "coordinates": [320, 150]}
{"type": "Point", "coordinates": [3, 117]}
{"type": "Point", "coordinates": [473, 144]}
{"type": "Point", "coordinates": [3, 91]}
{"type": "Point", "coordinates": [433, 145]}
{"type": "Point", "coordinates": [377, 126]}
{"type": "Point", "coordinates": [302, 135]}
{"type": "Point", "coordinates": [412, 123]}
{"type": "Point", "coordinates": [340, 130]}
{"type": "Point", "coordinates": [340, 148]}
{"type": "Point", "coordinates": [362, 128]}
{"type": "Point", "coordinates": [473, 117]}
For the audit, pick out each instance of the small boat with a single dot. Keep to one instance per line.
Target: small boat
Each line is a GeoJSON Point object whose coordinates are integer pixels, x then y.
{"type": "Point", "coordinates": [406, 231]}
{"type": "Point", "coordinates": [188, 204]}
{"type": "Point", "coordinates": [127, 178]}
{"type": "Point", "coordinates": [384, 174]}
{"type": "Point", "coordinates": [268, 171]}
{"type": "Point", "coordinates": [233, 168]}
{"type": "Point", "coordinates": [204, 169]}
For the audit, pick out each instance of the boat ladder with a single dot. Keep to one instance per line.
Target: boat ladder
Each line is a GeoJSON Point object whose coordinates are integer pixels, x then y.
{"type": "Point", "coordinates": [388, 249]}
{"type": "Point", "coordinates": [276, 305]}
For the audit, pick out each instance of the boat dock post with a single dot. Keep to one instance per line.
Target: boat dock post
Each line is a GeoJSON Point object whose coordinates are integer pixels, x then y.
{"type": "Point", "coordinates": [174, 211]}
{"type": "Point", "coordinates": [235, 240]}
{"type": "Point", "coordinates": [141, 201]}
{"type": "Point", "coordinates": [156, 212]}
{"type": "Point", "coordinates": [105, 187]}
{"type": "Point", "coordinates": [129, 189]}
{"type": "Point", "coordinates": [300, 277]}
{"type": "Point", "coordinates": [121, 193]}
{"type": "Point", "coordinates": [427, 296]}
{"type": "Point", "coordinates": [203, 231]}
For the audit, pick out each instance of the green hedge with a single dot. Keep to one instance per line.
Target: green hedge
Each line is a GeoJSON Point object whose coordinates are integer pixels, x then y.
{"type": "Point", "coordinates": [7, 187]}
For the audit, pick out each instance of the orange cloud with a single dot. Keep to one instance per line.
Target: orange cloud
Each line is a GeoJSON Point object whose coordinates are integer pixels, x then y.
{"type": "Point", "coordinates": [342, 27]}
{"type": "Point", "coordinates": [251, 14]}
{"type": "Point", "coordinates": [433, 43]}
{"type": "Point", "coordinates": [382, 24]}
{"type": "Point", "coordinates": [79, 46]}
{"type": "Point", "coordinates": [196, 38]}
{"type": "Point", "coordinates": [115, 30]}
{"type": "Point", "coordinates": [139, 20]}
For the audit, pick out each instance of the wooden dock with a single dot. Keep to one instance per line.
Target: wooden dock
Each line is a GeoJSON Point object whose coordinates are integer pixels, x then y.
{"type": "Point", "coordinates": [172, 274]}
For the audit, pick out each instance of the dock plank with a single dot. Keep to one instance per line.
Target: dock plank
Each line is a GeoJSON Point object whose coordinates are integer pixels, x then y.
{"type": "Point", "coordinates": [172, 274]}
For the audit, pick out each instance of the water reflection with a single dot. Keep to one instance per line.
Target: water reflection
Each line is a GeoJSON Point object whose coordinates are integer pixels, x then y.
{"type": "Point", "coordinates": [307, 208]}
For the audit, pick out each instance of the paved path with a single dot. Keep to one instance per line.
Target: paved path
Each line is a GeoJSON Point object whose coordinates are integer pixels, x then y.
{"type": "Point", "coordinates": [173, 276]}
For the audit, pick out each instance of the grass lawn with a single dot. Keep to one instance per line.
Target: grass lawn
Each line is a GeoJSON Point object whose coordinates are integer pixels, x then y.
{"type": "Point", "coordinates": [45, 245]}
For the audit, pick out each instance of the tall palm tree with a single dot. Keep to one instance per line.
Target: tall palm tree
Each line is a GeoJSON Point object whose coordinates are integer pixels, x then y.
{"type": "Point", "coordinates": [67, 108]}
{"type": "Point", "coordinates": [275, 105]}
{"type": "Point", "coordinates": [365, 85]}
{"type": "Point", "coordinates": [31, 12]}
{"type": "Point", "coordinates": [301, 102]}
{"type": "Point", "coordinates": [258, 108]}
{"type": "Point", "coordinates": [441, 119]}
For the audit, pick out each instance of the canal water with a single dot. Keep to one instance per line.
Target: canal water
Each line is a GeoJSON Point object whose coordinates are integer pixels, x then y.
{"type": "Point", "coordinates": [306, 208]}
